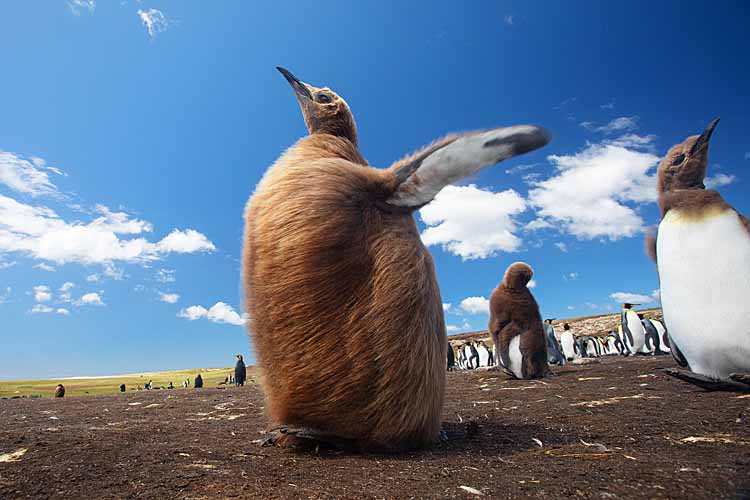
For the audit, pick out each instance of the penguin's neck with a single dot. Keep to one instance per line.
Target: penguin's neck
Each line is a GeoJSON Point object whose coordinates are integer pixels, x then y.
{"type": "Point", "coordinates": [317, 146]}
{"type": "Point", "coordinates": [692, 202]}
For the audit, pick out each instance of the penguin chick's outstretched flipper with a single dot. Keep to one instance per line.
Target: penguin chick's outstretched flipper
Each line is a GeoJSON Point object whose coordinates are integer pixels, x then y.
{"type": "Point", "coordinates": [711, 384]}
{"type": "Point", "coordinates": [307, 439]}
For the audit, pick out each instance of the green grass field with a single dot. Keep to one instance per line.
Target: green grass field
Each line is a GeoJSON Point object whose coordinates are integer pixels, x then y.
{"type": "Point", "coordinates": [106, 385]}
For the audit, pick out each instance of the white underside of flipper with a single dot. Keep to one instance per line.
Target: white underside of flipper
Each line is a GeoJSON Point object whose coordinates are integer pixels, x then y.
{"type": "Point", "coordinates": [704, 270]}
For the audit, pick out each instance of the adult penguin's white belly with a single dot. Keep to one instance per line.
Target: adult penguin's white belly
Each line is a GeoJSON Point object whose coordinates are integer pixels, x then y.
{"type": "Point", "coordinates": [636, 330]}
{"type": "Point", "coordinates": [568, 345]}
{"type": "Point", "coordinates": [704, 269]}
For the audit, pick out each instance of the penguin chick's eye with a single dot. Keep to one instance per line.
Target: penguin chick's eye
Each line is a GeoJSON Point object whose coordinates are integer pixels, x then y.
{"type": "Point", "coordinates": [324, 98]}
{"type": "Point", "coordinates": [678, 160]}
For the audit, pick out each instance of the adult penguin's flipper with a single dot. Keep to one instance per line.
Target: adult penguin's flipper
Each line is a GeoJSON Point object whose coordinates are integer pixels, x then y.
{"type": "Point", "coordinates": [741, 378]}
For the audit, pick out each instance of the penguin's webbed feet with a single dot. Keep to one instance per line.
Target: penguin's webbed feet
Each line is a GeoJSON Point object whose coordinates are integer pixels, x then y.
{"type": "Point", "coordinates": [737, 382]}
{"type": "Point", "coordinates": [307, 439]}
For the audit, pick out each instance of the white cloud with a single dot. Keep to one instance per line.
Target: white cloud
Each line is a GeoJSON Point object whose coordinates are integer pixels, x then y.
{"type": "Point", "coordinates": [656, 295]}
{"type": "Point", "coordinates": [570, 276]}
{"type": "Point", "coordinates": [562, 246]}
{"type": "Point", "coordinates": [42, 293]}
{"type": "Point", "coordinates": [111, 271]}
{"type": "Point", "coordinates": [446, 307]}
{"type": "Point", "coordinates": [5, 294]}
{"type": "Point", "coordinates": [5, 264]}
{"type": "Point", "coordinates": [65, 291]}
{"type": "Point", "coordinates": [571, 308]}
{"type": "Point", "coordinates": [63, 311]}
{"type": "Point", "coordinates": [531, 284]}
{"type": "Point", "coordinates": [90, 299]}
{"type": "Point", "coordinates": [537, 224]}
{"type": "Point", "coordinates": [218, 313]}
{"type": "Point", "coordinates": [169, 298]}
{"type": "Point", "coordinates": [23, 176]}
{"type": "Point", "coordinates": [632, 298]}
{"type": "Point", "coordinates": [634, 141]}
{"type": "Point", "coordinates": [44, 267]}
{"type": "Point", "coordinates": [165, 276]}
{"type": "Point", "coordinates": [452, 328]}
{"type": "Point", "coordinates": [93, 278]}
{"type": "Point", "coordinates": [747, 155]}
{"type": "Point", "coordinates": [509, 19]}
{"type": "Point", "coordinates": [620, 124]}
{"type": "Point", "coordinates": [155, 21]}
{"type": "Point", "coordinates": [40, 309]}
{"type": "Point", "coordinates": [592, 306]}
{"type": "Point", "coordinates": [473, 223]}
{"type": "Point", "coordinates": [475, 305]}
{"type": "Point", "coordinates": [521, 168]}
{"type": "Point", "coordinates": [589, 193]}
{"type": "Point", "coordinates": [719, 180]}
{"type": "Point", "coordinates": [77, 5]}
{"type": "Point", "coordinates": [39, 232]}
{"type": "Point", "coordinates": [609, 105]}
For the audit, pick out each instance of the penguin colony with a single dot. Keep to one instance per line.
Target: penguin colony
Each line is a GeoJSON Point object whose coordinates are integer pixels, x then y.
{"type": "Point", "coordinates": [346, 313]}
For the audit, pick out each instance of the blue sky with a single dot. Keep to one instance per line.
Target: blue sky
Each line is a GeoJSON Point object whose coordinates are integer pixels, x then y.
{"type": "Point", "coordinates": [134, 132]}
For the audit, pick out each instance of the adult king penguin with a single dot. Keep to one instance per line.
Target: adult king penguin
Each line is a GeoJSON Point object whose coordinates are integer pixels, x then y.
{"type": "Point", "coordinates": [633, 333]}
{"type": "Point", "coordinates": [702, 254]}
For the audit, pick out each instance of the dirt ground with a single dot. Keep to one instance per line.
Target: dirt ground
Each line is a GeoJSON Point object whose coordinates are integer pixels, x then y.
{"type": "Point", "coordinates": [611, 429]}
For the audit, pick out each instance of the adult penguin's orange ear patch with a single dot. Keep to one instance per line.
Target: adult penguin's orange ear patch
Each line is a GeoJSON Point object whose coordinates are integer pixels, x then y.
{"type": "Point", "coordinates": [422, 176]}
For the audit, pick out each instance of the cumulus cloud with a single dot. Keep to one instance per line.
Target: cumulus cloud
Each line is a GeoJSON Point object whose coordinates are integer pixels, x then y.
{"type": "Point", "coordinates": [591, 193]}
{"type": "Point", "coordinates": [719, 180]}
{"type": "Point", "coordinates": [632, 298]}
{"type": "Point", "coordinates": [531, 284]}
{"type": "Point", "coordinates": [42, 293]}
{"type": "Point", "coordinates": [169, 298]}
{"type": "Point", "coordinates": [165, 276]}
{"type": "Point", "coordinates": [93, 278]}
{"type": "Point", "coordinates": [44, 267]}
{"type": "Point", "coordinates": [40, 233]}
{"type": "Point", "coordinates": [473, 223]}
{"type": "Point", "coordinates": [63, 311]}
{"type": "Point", "coordinates": [446, 307]}
{"type": "Point", "coordinates": [452, 328]}
{"type": "Point", "coordinates": [154, 21]}
{"type": "Point", "coordinates": [609, 105]}
{"type": "Point", "coordinates": [25, 176]}
{"type": "Point", "coordinates": [40, 309]}
{"type": "Point", "coordinates": [620, 124]}
{"type": "Point", "coordinates": [218, 313]}
{"type": "Point", "coordinates": [90, 299]}
{"type": "Point", "coordinates": [475, 305]}
{"type": "Point", "coordinates": [65, 291]}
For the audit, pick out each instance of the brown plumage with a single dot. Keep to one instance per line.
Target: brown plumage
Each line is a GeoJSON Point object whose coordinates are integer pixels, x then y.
{"type": "Point", "coordinates": [515, 313]}
{"type": "Point", "coordinates": [59, 391]}
{"type": "Point", "coordinates": [346, 314]}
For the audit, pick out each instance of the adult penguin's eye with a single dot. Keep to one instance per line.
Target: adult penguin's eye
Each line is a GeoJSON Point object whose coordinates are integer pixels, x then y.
{"type": "Point", "coordinates": [324, 98]}
{"type": "Point", "coordinates": [678, 160]}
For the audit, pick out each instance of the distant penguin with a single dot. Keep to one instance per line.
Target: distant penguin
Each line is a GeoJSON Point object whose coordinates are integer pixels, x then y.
{"type": "Point", "coordinates": [663, 336]}
{"type": "Point", "coordinates": [633, 332]}
{"type": "Point", "coordinates": [59, 391]}
{"type": "Point", "coordinates": [451, 358]}
{"type": "Point", "coordinates": [624, 349]}
{"type": "Point", "coordinates": [198, 383]}
{"type": "Point", "coordinates": [652, 342]}
{"type": "Point", "coordinates": [591, 347]}
{"type": "Point", "coordinates": [568, 343]}
{"type": "Point", "coordinates": [240, 372]}
{"type": "Point", "coordinates": [122, 387]}
{"type": "Point", "coordinates": [614, 344]}
{"type": "Point", "coordinates": [472, 356]}
{"type": "Point", "coordinates": [702, 255]}
{"type": "Point", "coordinates": [516, 325]}
{"type": "Point", "coordinates": [554, 352]}
{"type": "Point", "coordinates": [462, 358]}
{"type": "Point", "coordinates": [484, 354]}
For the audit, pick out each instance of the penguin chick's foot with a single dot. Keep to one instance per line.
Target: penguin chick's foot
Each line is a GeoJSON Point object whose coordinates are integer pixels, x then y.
{"type": "Point", "coordinates": [711, 384]}
{"type": "Point", "coordinates": [307, 439]}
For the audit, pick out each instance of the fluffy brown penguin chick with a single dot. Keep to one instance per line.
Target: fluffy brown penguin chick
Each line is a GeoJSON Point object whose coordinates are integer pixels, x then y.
{"type": "Point", "coordinates": [59, 391]}
{"type": "Point", "coordinates": [346, 314]}
{"type": "Point", "coordinates": [516, 325]}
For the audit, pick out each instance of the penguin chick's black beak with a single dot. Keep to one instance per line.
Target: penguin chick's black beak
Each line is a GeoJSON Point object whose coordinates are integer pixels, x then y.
{"type": "Point", "coordinates": [703, 139]}
{"type": "Point", "coordinates": [299, 87]}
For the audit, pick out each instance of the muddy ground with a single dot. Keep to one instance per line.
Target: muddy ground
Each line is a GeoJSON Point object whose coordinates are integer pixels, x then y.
{"type": "Point", "coordinates": [646, 436]}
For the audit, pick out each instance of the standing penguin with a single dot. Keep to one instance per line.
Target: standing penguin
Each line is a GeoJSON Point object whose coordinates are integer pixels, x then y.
{"type": "Point", "coordinates": [332, 252]}
{"type": "Point", "coordinates": [59, 391]}
{"type": "Point", "coordinates": [198, 383]}
{"type": "Point", "coordinates": [633, 333]}
{"type": "Point", "coordinates": [652, 345]}
{"type": "Point", "coordinates": [703, 260]}
{"type": "Point", "coordinates": [240, 372]}
{"type": "Point", "coordinates": [516, 325]}
{"type": "Point", "coordinates": [484, 353]}
{"type": "Point", "coordinates": [568, 343]}
{"type": "Point", "coordinates": [663, 336]}
{"type": "Point", "coordinates": [554, 352]}
{"type": "Point", "coordinates": [451, 358]}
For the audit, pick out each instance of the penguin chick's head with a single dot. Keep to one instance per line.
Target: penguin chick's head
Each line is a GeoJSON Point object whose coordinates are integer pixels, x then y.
{"type": "Point", "coordinates": [324, 111]}
{"type": "Point", "coordinates": [517, 275]}
{"type": "Point", "coordinates": [685, 165]}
